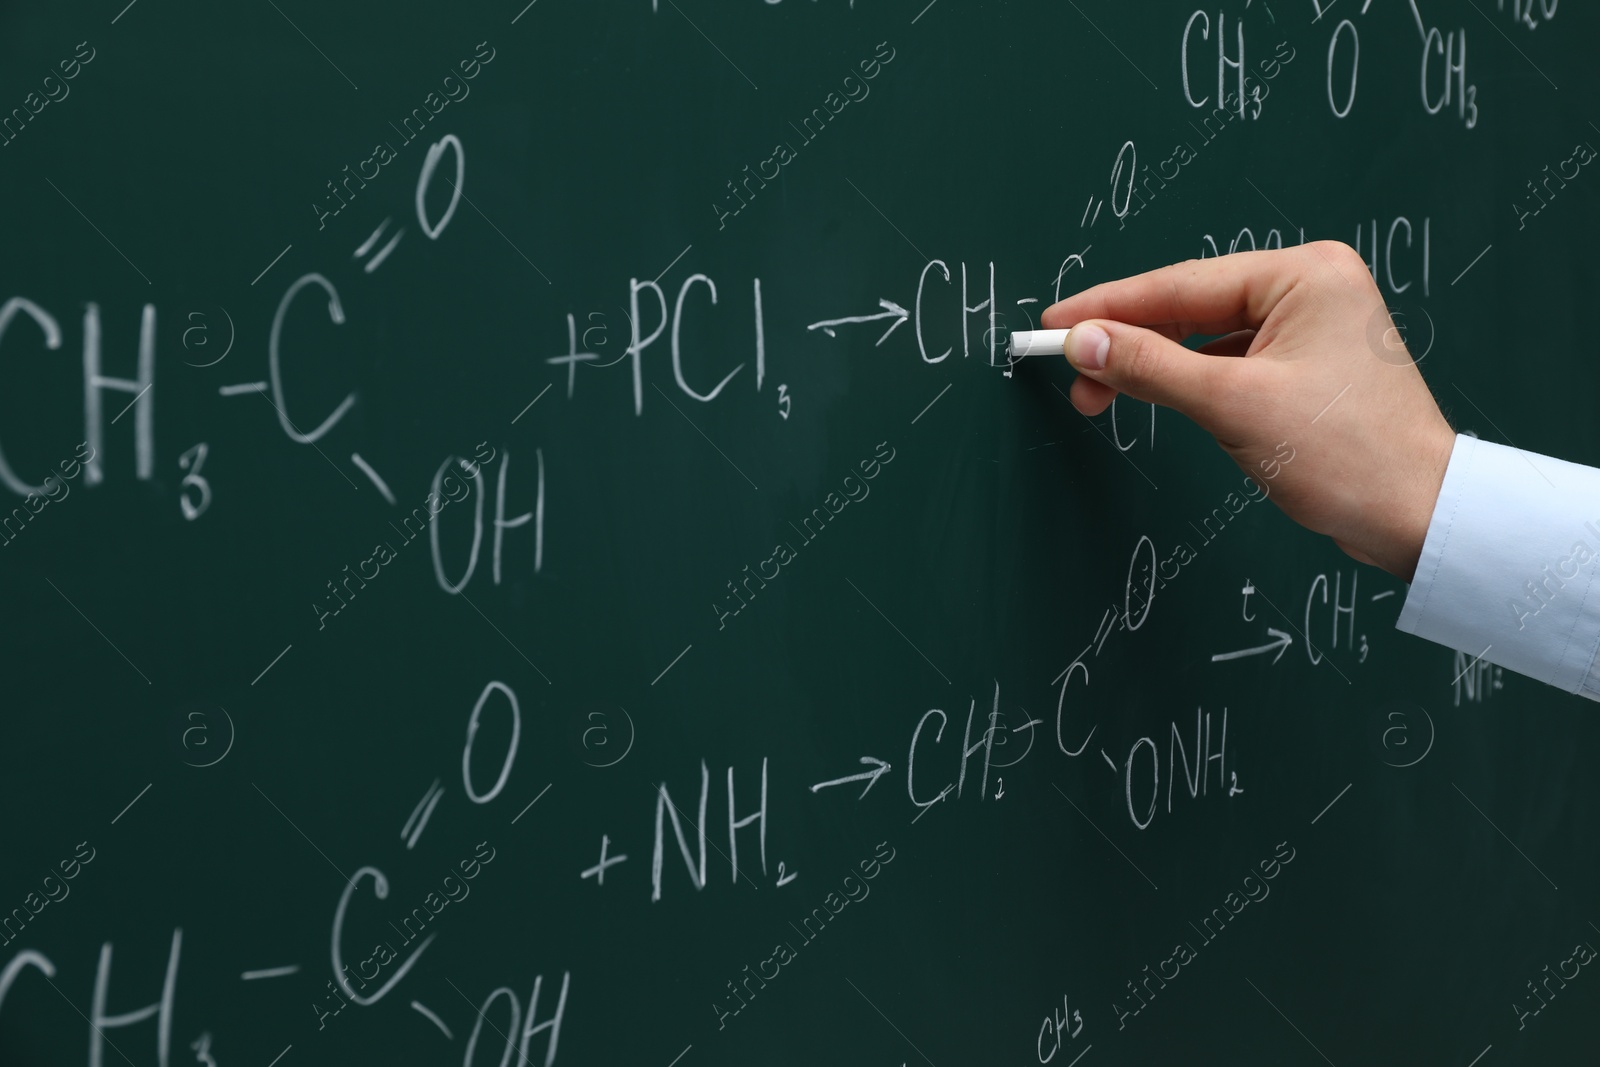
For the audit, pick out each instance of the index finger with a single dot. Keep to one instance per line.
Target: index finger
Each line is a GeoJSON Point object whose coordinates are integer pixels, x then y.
{"type": "Point", "coordinates": [1211, 296]}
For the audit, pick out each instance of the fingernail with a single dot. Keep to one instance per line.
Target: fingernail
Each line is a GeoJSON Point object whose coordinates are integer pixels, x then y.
{"type": "Point", "coordinates": [1087, 346]}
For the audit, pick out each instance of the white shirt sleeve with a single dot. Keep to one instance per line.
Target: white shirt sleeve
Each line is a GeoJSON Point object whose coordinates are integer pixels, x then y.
{"type": "Point", "coordinates": [1510, 567]}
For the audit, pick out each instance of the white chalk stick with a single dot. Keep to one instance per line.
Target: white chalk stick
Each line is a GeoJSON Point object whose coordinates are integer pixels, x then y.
{"type": "Point", "coordinates": [1037, 342]}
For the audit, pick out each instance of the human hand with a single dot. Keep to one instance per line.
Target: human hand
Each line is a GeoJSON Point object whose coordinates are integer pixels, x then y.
{"type": "Point", "coordinates": [1297, 365]}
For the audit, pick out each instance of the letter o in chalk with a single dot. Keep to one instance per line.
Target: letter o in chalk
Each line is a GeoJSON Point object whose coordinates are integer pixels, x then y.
{"type": "Point", "coordinates": [511, 749]}
{"type": "Point", "coordinates": [424, 179]}
{"type": "Point", "coordinates": [1155, 784]}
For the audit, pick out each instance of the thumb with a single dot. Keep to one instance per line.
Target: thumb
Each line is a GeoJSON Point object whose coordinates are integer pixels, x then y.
{"type": "Point", "coordinates": [1147, 366]}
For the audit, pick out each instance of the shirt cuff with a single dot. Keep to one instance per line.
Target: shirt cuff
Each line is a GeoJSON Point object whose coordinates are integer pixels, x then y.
{"type": "Point", "coordinates": [1510, 562]}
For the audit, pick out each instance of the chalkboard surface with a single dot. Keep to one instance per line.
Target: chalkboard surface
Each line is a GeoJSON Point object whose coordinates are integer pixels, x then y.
{"type": "Point", "coordinates": [522, 544]}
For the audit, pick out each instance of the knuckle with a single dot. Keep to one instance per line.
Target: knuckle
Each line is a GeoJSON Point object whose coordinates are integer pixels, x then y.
{"type": "Point", "coordinates": [1136, 352]}
{"type": "Point", "coordinates": [1339, 252]}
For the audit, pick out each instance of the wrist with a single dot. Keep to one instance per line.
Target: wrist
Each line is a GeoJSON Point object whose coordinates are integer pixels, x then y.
{"type": "Point", "coordinates": [1421, 498]}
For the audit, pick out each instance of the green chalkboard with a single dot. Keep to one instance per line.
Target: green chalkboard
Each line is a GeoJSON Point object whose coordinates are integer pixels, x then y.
{"type": "Point", "coordinates": [521, 542]}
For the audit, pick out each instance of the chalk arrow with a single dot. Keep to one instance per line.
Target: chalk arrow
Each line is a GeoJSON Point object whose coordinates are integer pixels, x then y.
{"type": "Point", "coordinates": [891, 310]}
{"type": "Point", "coordinates": [1281, 642]}
{"type": "Point", "coordinates": [871, 776]}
